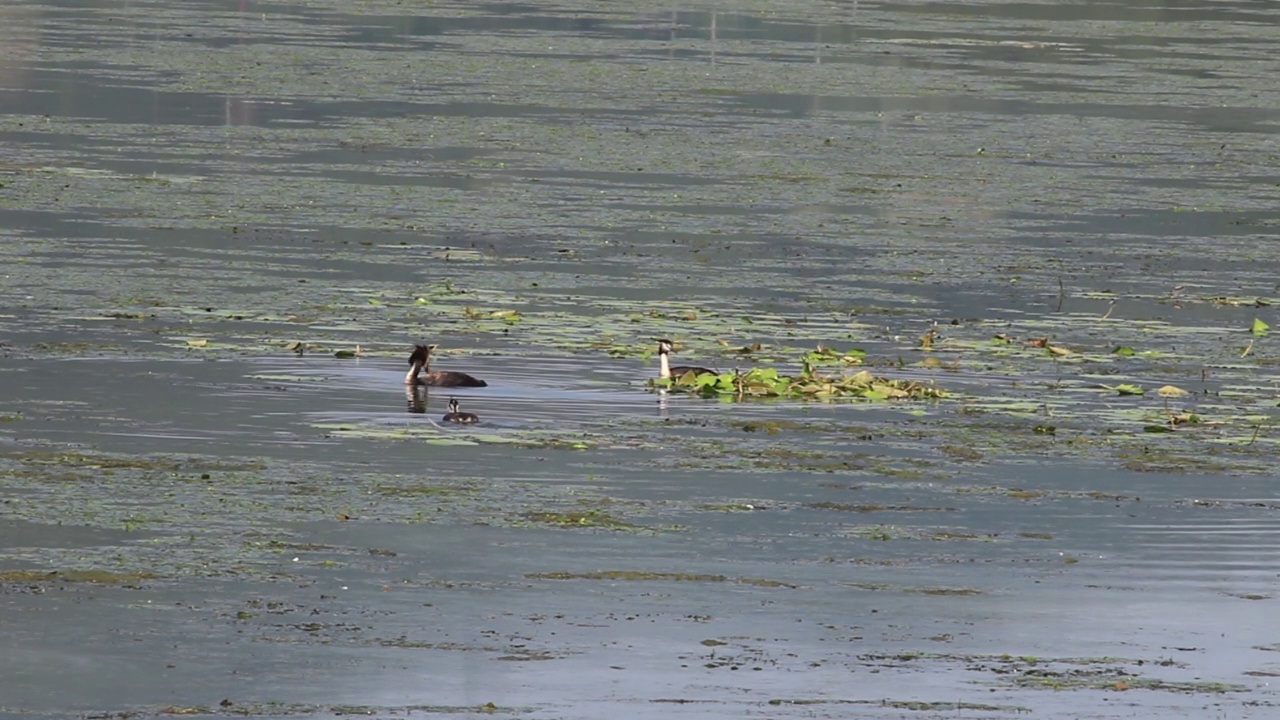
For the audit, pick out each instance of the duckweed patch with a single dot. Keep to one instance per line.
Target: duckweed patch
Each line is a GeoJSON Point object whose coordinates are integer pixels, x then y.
{"type": "Point", "coordinates": [913, 705]}
{"type": "Point", "coordinates": [1021, 494]}
{"type": "Point", "coordinates": [95, 577]}
{"type": "Point", "coordinates": [769, 427]}
{"type": "Point", "coordinates": [960, 452]}
{"type": "Point", "coordinates": [230, 520]}
{"type": "Point", "coordinates": [508, 653]}
{"type": "Point", "coordinates": [938, 591]}
{"type": "Point", "coordinates": [731, 507]}
{"type": "Point", "coordinates": [104, 461]}
{"type": "Point", "coordinates": [1061, 673]}
{"type": "Point", "coordinates": [423, 490]}
{"type": "Point", "coordinates": [943, 591]}
{"type": "Point", "coordinates": [898, 532]}
{"type": "Point", "coordinates": [581, 519]}
{"type": "Point", "coordinates": [431, 433]}
{"type": "Point", "coordinates": [801, 456]}
{"type": "Point", "coordinates": [1169, 460]}
{"type": "Point", "coordinates": [867, 508]}
{"type": "Point", "coordinates": [644, 575]}
{"type": "Point", "coordinates": [282, 546]}
{"type": "Point", "coordinates": [1117, 682]}
{"type": "Point", "coordinates": [629, 575]}
{"type": "Point", "coordinates": [239, 708]}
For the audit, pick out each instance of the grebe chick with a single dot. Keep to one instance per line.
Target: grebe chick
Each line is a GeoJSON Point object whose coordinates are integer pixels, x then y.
{"type": "Point", "coordinates": [419, 360]}
{"type": "Point", "coordinates": [665, 370]}
{"type": "Point", "coordinates": [454, 416]}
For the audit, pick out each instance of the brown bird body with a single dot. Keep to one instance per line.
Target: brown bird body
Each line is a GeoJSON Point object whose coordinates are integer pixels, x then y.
{"type": "Point", "coordinates": [419, 362]}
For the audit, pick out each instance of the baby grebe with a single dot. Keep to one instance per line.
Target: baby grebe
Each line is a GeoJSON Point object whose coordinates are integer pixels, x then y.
{"type": "Point", "coordinates": [421, 357]}
{"type": "Point", "coordinates": [664, 367]}
{"type": "Point", "coordinates": [454, 416]}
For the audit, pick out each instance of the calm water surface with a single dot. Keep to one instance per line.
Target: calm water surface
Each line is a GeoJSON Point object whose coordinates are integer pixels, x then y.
{"type": "Point", "coordinates": [196, 519]}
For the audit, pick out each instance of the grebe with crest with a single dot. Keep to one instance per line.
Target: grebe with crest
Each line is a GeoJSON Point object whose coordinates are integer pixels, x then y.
{"type": "Point", "coordinates": [666, 371]}
{"type": "Point", "coordinates": [419, 361]}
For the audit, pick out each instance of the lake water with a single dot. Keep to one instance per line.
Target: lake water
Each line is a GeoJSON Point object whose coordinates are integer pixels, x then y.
{"type": "Point", "coordinates": [224, 223]}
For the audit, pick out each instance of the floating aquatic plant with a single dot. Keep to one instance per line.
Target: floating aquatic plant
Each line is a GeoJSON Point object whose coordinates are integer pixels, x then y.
{"type": "Point", "coordinates": [1126, 389]}
{"type": "Point", "coordinates": [809, 384]}
{"type": "Point", "coordinates": [827, 356]}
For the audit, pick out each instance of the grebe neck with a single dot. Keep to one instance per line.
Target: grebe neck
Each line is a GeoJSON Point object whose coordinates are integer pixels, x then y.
{"type": "Point", "coordinates": [412, 377]}
{"type": "Point", "coordinates": [664, 365]}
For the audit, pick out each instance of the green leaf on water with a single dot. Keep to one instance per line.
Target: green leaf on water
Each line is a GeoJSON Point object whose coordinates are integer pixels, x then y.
{"type": "Point", "coordinates": [1123, 350]}
{"type": "Point", "coordinates": [1125, 389]}
{"type": "Point", "coordinates": [1157, 429]}
{"type": "Point", "coordinates": [1259, 327]}
{"type": "Point", "coordinates": [345, 354]}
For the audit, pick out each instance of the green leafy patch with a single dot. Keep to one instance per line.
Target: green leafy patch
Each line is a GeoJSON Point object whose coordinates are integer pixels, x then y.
{"type": "Point", "coordinates": [580, 519]}
{"type": "Point", "coordinates": [96, 577]}
{"type": "Point", "coordinates": [809, 385]}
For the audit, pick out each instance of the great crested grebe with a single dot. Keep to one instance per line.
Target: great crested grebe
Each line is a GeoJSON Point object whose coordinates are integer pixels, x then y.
{"type": "Point", "coordinates": [456, 416]}
{"type": "Point", "coordinates": [419, 360]}
{"type": "Point", "coordinates": [665, 370]}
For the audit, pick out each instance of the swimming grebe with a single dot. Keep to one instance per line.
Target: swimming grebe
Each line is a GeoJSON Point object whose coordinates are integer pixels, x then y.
{"type": "Point", "coordinates": [665, 370]}
{"type": "Point", "coordinates": [421, 357]}
{"type": "Point", "coordinates": [454, 416]}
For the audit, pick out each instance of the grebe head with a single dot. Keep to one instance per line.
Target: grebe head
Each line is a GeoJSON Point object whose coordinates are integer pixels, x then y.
{"type": "Point", "coordinates": [665, 346]}
{"type": "Point", "coordinates": [421, 354]}
{"type": "Point", "coordinates": [453, 405]}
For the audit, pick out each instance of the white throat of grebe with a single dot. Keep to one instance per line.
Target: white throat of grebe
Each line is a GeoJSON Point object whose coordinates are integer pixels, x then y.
{"type": "Point", "coordinates": [418, 363]}
{"type": "Point", "coordinates": [664, 364]}
{"type": "Point", "coordinates": [412, 377]}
